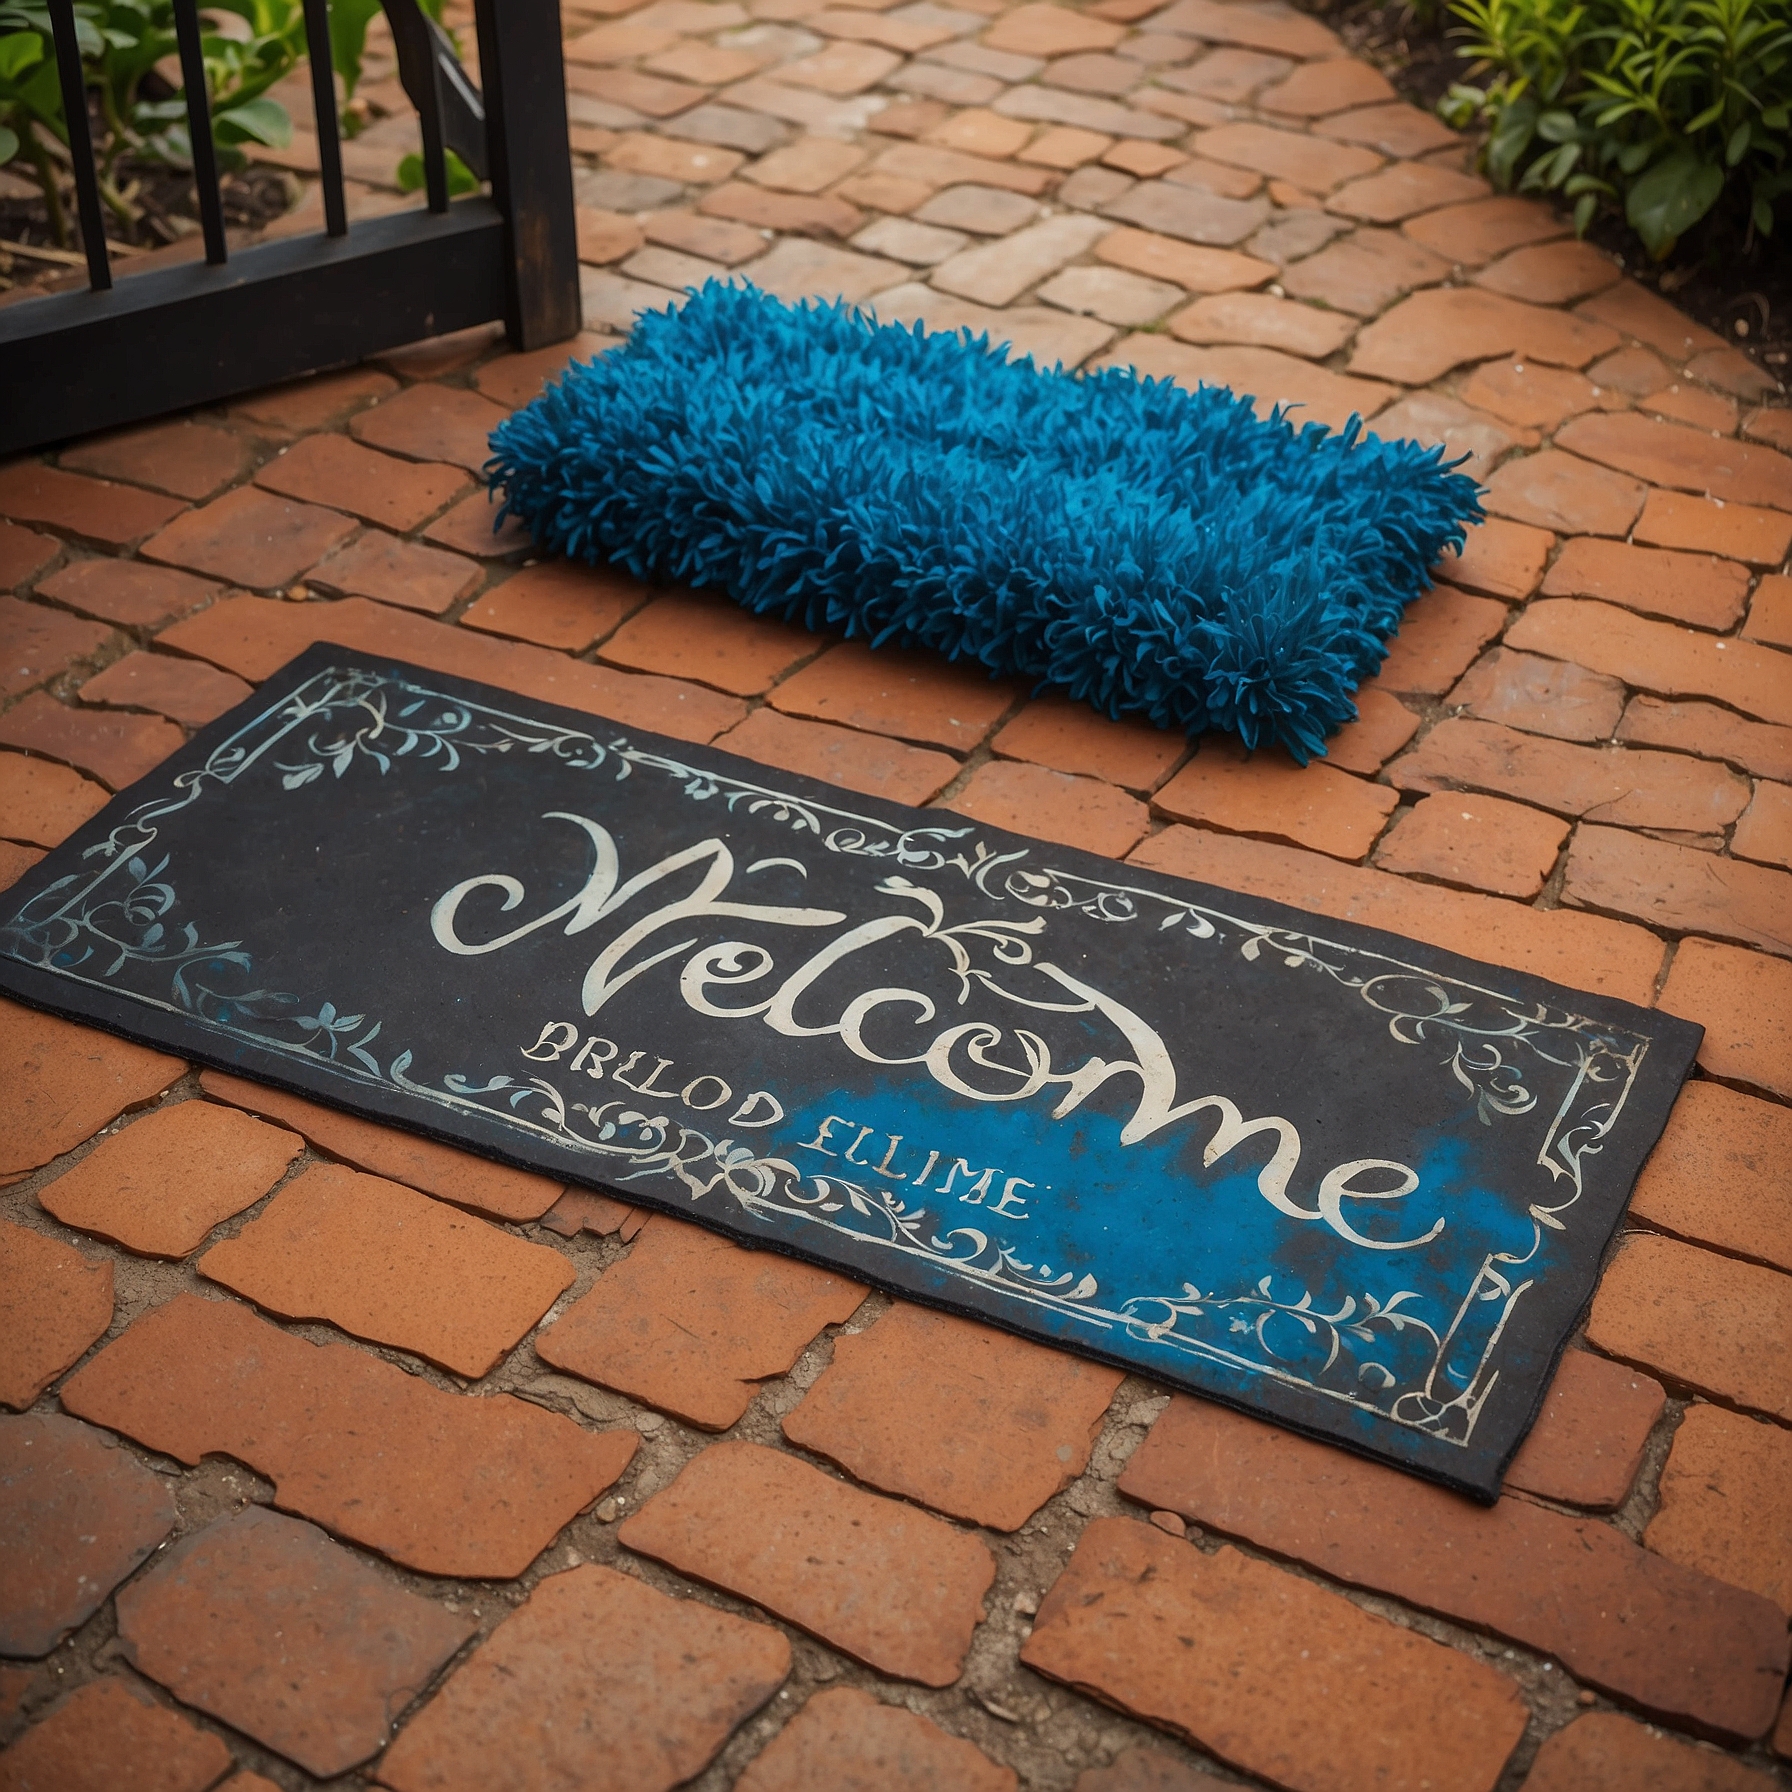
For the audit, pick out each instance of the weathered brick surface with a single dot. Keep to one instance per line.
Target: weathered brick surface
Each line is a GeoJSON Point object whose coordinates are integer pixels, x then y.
{"type": "Point", "coordinates": [133, 593]}
{"type": "Point", "coordinates": [1703, 526]}
{"type": "Point", "coordinates": [706, 638]}
{"type": "Point", "coordinates": [1657, 657]}
{"type": "Point", "coordinates": [1603, 1752]}
{"type": "Point", "coordinates": [1744, 1002]}
{"type": "Point", "coordinates": [77, 1515]}
{"type": "Point", "coordinates": [112, 515]}
{"type": "Point", "coordinates": [968, 1420]}
{"type": "Point", "coordinates": [1679, 889]}
{"type": "Point", "coordinates": [160, 1185]}
{"type": "Point", "coordinates": [1692, 460]}
{"type": "Point", "coordinates": [1718, 1176]}
{"type": "Point", "coordinates": [1118, 168]}
{"type": "Point", "coordinates": [36, 643]}
{"type": "Point", "coordinates": [432, 423]}
{"type": "Point", "coordinates": [1053, 805]}
{"type": "Point", "coordinates": [54, 1303]}
{"type": "Point", "coordinates": [1439, 637]}
{"type": "Point", "coordinates": [1616, 1616]}
{"type": "Point", "coordinates": [1271, 1673]}
{"type": "Point", "coordinates": [1700, 1321]}
{"type": "Point", "coordinates": [1267, 795]}
{"type": "Point", "coordinates": [186, 691]}
{"type": "Point", "coordinates": [1561, 492]}
{"type": "Point", "coordinates": [870, 763]}
{"type": "Point", "coordinates": [1623, 786]}
{"type": "Point", "coordinates": [263, 1622]}
{"type": "Point", "coordinates": [42, 803]}
{"type": "Point", "coordinates": [844, 1740]}
{"type": "Point", "coordinates": [1582, 951]}
{"type": "Point", "coordinates": [340, 473]}
{"type": "Point", "coordinates": [116, 749]}
{"type": "Point", "coordinates": [386, 1263]}
{"type": "Point", "coordinates": [23, 554]}
{"type": "Point", "coordinates": [111, 1736]}
{"type": "Point", "coordinates": [1540, 696]}
{"type": "Point", "coordinates": [1382, 727]}
{"type": "Point", "coordinates": [1726, 1502]}
{"type": "Point", "coordinates": [769, 1528]}
{"type": "Point", "coordinates": [1499, 558]}
{"type": "Point", "coordinates": [1696, 588]}
{"type": "Point", "coordinates": [690, 1322]}
{"type": "Point", "coordinates": [913, 696]}
{"type": "Point", "coordinates": [442, 1483]}
{"type": "Point", "coordinates": [473, 1182]}
{"type": "Point", "coordinates": [249, 537]}
{"type": "Point", "coordinates": [1476, 843]}
{"type": "Point", "coordinates": [594, 1680]}
{"type": "Point", "coordinates": [1588, 1441]}
{"type": "Point", "coordinates": [65, 1081]}
{"type": "Point", "coordinates": [405, 573]}
{"type": "Point", "coordinates": [558, 604]}
{"type": "Point", "coordinates": [1759, 747]}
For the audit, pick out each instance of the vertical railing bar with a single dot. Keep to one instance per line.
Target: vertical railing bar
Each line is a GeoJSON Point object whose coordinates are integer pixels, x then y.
{"type": "Point", "coordinates": [199, 130]}
{"type": "Point", "coordinates": [80, 144]}
{"type": "Point", "coordinates": [323, 104]}
{"type": "Point", "coordinates": [429, 116]}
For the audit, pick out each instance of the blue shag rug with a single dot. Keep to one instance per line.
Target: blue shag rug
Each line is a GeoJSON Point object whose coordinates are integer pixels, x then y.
{"type": "Point", "coordinates": [1152, 551]}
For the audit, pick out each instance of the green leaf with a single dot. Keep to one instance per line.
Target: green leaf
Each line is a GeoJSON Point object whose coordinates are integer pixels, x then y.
{"type": "Point", "coordinates": [1763, 216]}
{"type": "Point", "coordinates": [461, 178]}
{"type": "Point", "coordinates": [9, 144]}
{"type": "Point", "coordinates": [264, 120]}
{"type": "Point", "coordinates": [1737, 147]}
{"type": "Point", "coordinates": [1584, 207]}
{"type": "Point", "coordinates": [18, 51]}
{"type": "Point", "coordinates": [1557, 127]}
{"type": "Point", "coordinates": [349, 20]}
{"type": "Point", "coordinates": [1672, 197]}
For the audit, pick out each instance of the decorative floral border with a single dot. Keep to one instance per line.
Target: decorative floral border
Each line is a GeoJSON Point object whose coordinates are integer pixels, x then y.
{"type": "Point", "coordinates": [90, 928]}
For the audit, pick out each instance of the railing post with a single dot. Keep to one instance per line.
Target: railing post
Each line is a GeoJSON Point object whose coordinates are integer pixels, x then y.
{"type": "Point", "coordinates": [523, 78]}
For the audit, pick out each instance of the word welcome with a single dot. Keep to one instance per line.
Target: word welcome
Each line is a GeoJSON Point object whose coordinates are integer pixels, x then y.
{"type": "Point", "coordinates": [976, 1059]}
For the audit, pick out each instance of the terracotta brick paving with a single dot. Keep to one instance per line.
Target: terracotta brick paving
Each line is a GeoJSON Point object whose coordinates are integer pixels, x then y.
{"type": "Point", "coordinates": [340, 1454]}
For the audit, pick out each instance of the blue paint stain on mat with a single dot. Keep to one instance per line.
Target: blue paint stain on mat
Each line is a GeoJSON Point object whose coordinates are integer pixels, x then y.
{"type": "Point", "coordinates": [1149, 550]}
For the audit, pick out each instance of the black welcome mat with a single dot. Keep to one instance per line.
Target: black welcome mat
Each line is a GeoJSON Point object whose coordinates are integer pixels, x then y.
{"type": "Point", "coordinates": [1349, 1182]}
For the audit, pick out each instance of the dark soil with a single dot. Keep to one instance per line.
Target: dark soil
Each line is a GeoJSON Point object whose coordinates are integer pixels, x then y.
{"type": "Point", "coordinates": [167, 209]}
{"type": "Point", "coordinates": [1741, 289]}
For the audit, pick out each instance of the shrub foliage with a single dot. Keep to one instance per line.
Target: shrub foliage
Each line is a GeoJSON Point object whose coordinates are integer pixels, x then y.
{"type": "Point", "coordinates": [1658, 107]}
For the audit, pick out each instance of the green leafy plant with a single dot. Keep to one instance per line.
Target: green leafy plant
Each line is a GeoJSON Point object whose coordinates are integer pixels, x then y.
{"type": "Point", "coordinates": [461, 178]}
{"type": "Point", "coordinates": [247, 47]}
{"type": "Point", "coordinates": [1660, 108]}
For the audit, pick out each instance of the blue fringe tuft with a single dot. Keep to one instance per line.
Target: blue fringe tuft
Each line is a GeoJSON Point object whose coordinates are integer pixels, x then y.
{"type": "Point", "coordinates": [1148, 550]}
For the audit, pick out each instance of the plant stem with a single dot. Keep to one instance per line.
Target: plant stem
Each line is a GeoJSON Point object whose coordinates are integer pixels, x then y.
{"type": "Point", "coordinates": [46, 179]}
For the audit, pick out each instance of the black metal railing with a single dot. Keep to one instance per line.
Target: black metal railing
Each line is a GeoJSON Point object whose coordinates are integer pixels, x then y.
{"type": "Point", "coordinates": [169, 337]}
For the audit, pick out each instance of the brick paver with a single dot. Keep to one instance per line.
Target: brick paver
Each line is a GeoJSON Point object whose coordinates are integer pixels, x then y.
{"type": "Point", "coordinates": [961, 1417]}
{"type": "Point", "coordinates": [159, 1186]}
{"type": "Point", "coordinates": [596, 1680]}
{"type": "Point", "coordinates": [386, 1263]}
{"type": "Point", "coordinates": [1275, 1675]}
{"type": "Point", "coordinates": [810, 1548]}
{"type": "Point", "coordinates": [54, 1303]}
{"type": "Point", "coordinates": [1575, 761]}
{"type": "Point", "coordinates": [77, 1515]}
{"type": "Point", "coordinates": [263, 1622]}
{"type": "Point", "coordinates": [111, 1736]}
{"type": "Point", "coordinates": [441, 1483]}
{"type": "Point", "coordinates": [1669, 1639]}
